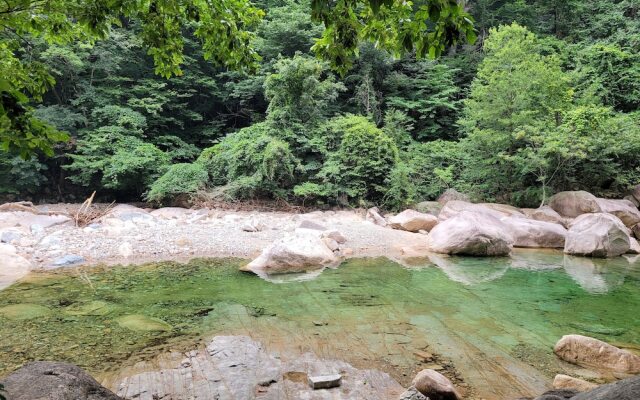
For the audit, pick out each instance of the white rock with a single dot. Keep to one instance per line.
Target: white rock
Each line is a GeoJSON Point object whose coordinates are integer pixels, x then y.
{"type": "Point", "coordinates": [413, 221]}
{"type": "Point", "coordinates": [299, 252]}
{"type": "Point", "coordinates": [471, 233]}
{"type": "Point", "coordinates": [572, 204]}
{"type": "Point", "coordinates": [12, 265]}
{"type": "Point", "coordinates": [625, 210]}
{"type": "Point", "coordinates": [373, 215]}
{"type": "Point", "coordinates": [532, 233]}
{"type": "Point", "coordinates": [597, 235]}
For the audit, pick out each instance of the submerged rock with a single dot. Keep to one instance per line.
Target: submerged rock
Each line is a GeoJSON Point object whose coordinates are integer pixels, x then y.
{"type": "Point", "coordinates": [413, 221]}
{"type": "Point", "coordinates": [24, 311]}
{"type": "Point", "coordinates": [48, 380]}
{"type": "Point", "coordinates": [574, 204]}
{"type": "Point", "coordinates": [300, 252]}
{"type": "Point", "coordinates": [142, 323]}
{"type": "Point", "coordinates": [561, 381]}
{"type": "Point", "coordinates": [471, 233]}
{"type": "Point", "coordinates": [597, 235]}
{"type": "Point", "coordinates": [237, 367]}
{"type": "Point", "coordinates": [435, 386]}
{"type": "Point", "coordinates": [627, 389]}
{"type": "Point", "coordinates": [589, 352]}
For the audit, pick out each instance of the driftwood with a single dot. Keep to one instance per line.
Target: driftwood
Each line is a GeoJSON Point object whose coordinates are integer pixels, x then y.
{"type": "Point", "coordinates": [88, 212]}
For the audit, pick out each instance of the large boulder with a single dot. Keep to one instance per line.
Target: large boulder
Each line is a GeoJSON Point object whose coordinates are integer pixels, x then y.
{"type": "Point", "coordinates": [504, 209]}
{"type": "Point", "coordinates": [597, 235]}
{"type": "Point", "coordinates": [471, 233]}
{"type": "Point", "coordinates": [632, 199]}
{"type": "Point", "coordinates": [47, 380]}
{"type": "Point", "coordinates": [428, 207]}
{"type": "Point", "coordinates": [532, 233]}
{"type": "Point", "coordinates": [545, 213]}
{"type": "Point", "coordinates": [434, 385]}
{"type": "Point", "coordinates": [300, 252]}
{"type": "Point", "coordinates": [634, 246]}
{"type": "Point", "coordinates": [627, 389]}
{"type": "Point", "coordinates": [636, 230]}
{"type": "Point", "coordinates": [452, 194]}
{"type": "Point", "coordinates": [573, 204]}
{"type": "Point", "coordinates": [12, 265]}
{"type": "Point", "coordinates": [625, 210]}
{"type": "Point", "coordinates": [589, 352]}
{"type": "Point", "coordinates": [455, 207]}
{"type": "Point", "coordinates": [413, 221]}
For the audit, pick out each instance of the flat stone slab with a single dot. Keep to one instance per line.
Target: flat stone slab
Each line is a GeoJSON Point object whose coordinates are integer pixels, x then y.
{"type": "Point", "coordinates": [325, 381]}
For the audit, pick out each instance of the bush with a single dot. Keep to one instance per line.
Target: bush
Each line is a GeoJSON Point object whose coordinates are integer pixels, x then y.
{"type": "Point", "coordinates": [360, 168]}
{"type": "Point", "coordinates": [180, 179]}
{"type": "Point", "coordinates": [252, 163]}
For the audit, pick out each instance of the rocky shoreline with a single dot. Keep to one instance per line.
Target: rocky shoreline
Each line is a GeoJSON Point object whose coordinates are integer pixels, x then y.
{"type": "Point", "coordinates": [280, 243]}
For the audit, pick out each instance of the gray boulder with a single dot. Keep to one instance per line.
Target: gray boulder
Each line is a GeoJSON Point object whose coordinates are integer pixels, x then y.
{"type": "Point", "coordinates": [428, 207]}
{"type": "Point", "coordinates": [452, 194]}
{"type": "Point", "coordinates": [47, 380]}
{"type": "Point", "coordinates": [471, 233]}
{"type": "Point", "coordinates": [545, 213]}
{"type": "Point", "coordinates": [627, 389]}
{"type": "Point", "coordinates": [413, 221]}
{"type": "Point", "coordinates": [573, 204]}
{"type": "Point", "coordinates": [597, 235]}
{"type": "Point", "coordinates": [625, 210]}
{"type": "Point", "coordinates": [532, 233]}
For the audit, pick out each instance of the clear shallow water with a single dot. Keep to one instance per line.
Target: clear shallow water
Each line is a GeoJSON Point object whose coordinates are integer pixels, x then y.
{"type": "Point", "coordinates": [491, 323]}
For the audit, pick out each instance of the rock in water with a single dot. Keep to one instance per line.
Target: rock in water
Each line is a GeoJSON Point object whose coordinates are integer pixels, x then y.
{"type": "Point", "coordinates": [24, 311]}
{"type": "Point", "coordinates": [300, 252]}
{"type": "Point", "coordinates": [471, 233]}
{"type": "Point", "coordinates": [627, 389]}
{"type": "Point", "coordinates": [324, 381]}
{"type": "Point", "coordinates": [142, 323]}
{"type": "Point", "coordinates": [568, 382]}
{"type": "Point", "coordinates": [413, 221]}
{"type": "Point", "coordinates": [589, 352]}
{"type": "Point", "coordinates": [47, 380]}
{"type": "Point", "coordinates": [573, 204]}
{"type": "Point", "coordinates": [597, 235]}
{"type": "Point", "coordinates": [625, 210]}
{"type": "Point", "coordinates": [435, 386]}
{"type": "Point", "coordinates": [532, 233]}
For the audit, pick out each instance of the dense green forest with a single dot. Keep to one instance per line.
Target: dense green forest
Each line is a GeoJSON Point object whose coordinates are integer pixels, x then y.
{"type": "Point", "coordinates": [546, 99]}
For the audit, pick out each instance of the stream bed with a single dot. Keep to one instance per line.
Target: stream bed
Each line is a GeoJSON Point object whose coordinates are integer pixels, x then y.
{"type": "Point", "coordinates": [488, 323]}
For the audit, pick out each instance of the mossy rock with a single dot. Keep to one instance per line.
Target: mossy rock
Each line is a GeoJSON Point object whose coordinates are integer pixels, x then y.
{"type": "Point", "coordinates": [24, 311]}
{"type": "Point", "coordinates": [96, 307]}
{"type": "Point", "coordinates": [142, 323]}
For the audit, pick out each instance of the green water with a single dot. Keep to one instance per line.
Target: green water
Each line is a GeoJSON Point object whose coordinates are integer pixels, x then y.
{"type": "Point", "coordinates": [473, 314]}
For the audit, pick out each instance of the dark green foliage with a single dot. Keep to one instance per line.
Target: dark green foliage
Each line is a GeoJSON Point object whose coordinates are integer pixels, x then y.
{"type": "Point", "coordinates": [179, 180]}
{"type": "Point", "coordinates": [547, 104]}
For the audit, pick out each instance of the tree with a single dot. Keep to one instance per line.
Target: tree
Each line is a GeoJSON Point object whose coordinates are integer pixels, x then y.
{"type": "Point", "coordinates": [224, 28]}
{"type": "Point", "coordinates": [518, 96]}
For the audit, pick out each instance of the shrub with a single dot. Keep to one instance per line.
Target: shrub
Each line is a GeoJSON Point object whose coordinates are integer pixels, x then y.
{"type": "Point", "coordinates": [360, 167]}
{"type": "Point", "coordinates": [252, 163]}
{"type": "Point", "coordinates": [180, 179]}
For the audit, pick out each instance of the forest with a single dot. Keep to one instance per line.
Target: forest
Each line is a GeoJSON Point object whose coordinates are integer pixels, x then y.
{"type": "Point", "coordinates": [545, 99]}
